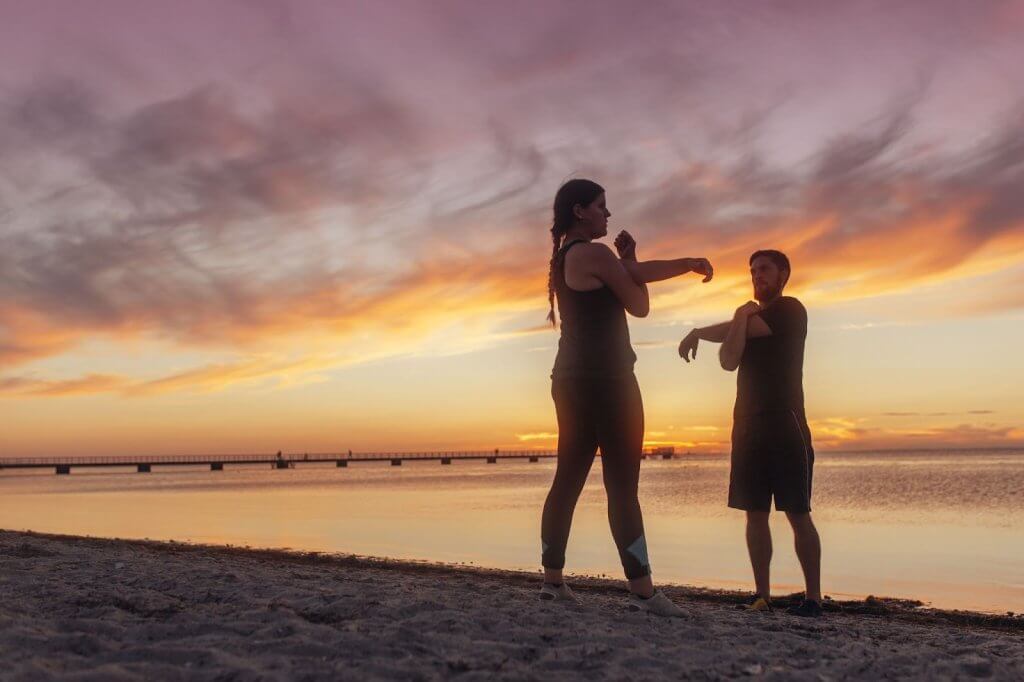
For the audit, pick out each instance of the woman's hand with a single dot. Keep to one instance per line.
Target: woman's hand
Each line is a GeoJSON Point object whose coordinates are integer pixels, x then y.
{"type": "Point", "coordinates": [626, 246]}
{"type": "Point", "coordinates": [702, 266]}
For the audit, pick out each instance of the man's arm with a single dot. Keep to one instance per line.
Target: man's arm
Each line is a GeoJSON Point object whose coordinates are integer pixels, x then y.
{"type": "Point", "coordinates": [688, 346]}
{"type": "Point", "coordinates": [736, 338]}
{"type": "Point", "coordinates": [716, 333]}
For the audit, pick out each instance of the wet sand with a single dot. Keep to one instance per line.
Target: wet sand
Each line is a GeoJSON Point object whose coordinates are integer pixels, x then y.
{"type": "Point", "coordinates": [86, 608]}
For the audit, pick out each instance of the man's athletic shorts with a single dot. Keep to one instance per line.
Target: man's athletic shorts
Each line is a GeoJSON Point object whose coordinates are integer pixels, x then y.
{"type": "Point", "coordinates": [772, 456]}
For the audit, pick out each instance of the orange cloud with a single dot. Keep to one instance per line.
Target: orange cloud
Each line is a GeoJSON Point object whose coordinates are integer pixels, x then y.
{"type": "Point", "coordinates": [203, 379]}
{"type": "Point", "coordinates": [215, 198]}
{"type": "Point", "coordinates": [50, 388]}
{"type": "Point", "coordinates": [543, 436]}
{"type": "Point", "coordinates": [840, 434]}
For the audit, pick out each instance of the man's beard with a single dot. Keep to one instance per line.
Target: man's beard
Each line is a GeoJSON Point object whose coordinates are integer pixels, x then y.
{"type": "Point", "coordinates": [766, 293]}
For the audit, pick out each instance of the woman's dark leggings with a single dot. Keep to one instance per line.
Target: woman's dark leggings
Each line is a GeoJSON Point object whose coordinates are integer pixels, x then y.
{"type": "Point", "coordinates": [606, 413]}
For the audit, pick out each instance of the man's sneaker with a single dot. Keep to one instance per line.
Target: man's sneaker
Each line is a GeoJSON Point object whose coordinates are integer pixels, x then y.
{"type": "Point", "coordinates": [658, 604]}
{"type": "Point", "coordinates": [559, 592]}
{"type": "Point", "coordinates": [756, 603]}
{"type": "Point", "coordinates": [808, 609]}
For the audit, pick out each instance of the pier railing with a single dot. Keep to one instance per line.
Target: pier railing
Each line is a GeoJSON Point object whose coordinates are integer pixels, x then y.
{"type": "Point", "coordinates": [145, 463]}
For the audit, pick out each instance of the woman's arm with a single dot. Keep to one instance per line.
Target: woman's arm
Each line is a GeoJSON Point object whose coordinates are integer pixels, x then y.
{"type": "Point", "coordinates": [657, 270]}
{"type": "Point", "coordinates": [647, 271]}
{"type": "Point", "coordinates": [598, 261]}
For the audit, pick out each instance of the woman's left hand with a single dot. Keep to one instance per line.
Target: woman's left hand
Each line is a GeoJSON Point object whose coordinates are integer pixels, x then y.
{"type": "Point", "coordinates": [626, 246]}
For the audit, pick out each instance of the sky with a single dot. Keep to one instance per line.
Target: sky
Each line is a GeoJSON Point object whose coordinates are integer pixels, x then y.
{"type": "Point", "coordinates": [243, 227]}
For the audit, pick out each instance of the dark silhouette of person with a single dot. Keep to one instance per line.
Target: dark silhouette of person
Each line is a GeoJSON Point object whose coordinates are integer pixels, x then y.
{"type": "Point", "coordinates": [772, 454]}
{"type": "Point", "coordinates": [596, 395]}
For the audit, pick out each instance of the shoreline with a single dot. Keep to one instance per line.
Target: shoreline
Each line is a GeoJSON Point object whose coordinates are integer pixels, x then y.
{"type": "Point", "coordinates": [102, 608]}
{"type": "Point", "coordinates": [898, 608]}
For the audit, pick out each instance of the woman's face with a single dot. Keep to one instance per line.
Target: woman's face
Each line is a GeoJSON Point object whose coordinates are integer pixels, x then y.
{"type": "Point", "coordinates": [594, 217]}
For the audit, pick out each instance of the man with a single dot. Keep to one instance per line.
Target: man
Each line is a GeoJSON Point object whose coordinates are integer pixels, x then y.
{"type": "Point", "coordinates": [771, 444]}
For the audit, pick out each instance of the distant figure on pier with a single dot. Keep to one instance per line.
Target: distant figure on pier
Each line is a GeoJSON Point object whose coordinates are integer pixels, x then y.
{"type": "Point", "coordinates": [597, 398]}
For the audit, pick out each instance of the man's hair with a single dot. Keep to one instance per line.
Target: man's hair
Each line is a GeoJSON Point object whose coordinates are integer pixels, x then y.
{"type": "Point", "coordinates": [777, 257]}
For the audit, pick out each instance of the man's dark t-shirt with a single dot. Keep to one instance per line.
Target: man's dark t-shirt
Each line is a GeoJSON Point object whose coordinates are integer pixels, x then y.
{"type": "Point", "coordinates": [771, 369]}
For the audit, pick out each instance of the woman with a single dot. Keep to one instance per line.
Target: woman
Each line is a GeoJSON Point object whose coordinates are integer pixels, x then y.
{"type": "Point", "coordinates": [596, 395]}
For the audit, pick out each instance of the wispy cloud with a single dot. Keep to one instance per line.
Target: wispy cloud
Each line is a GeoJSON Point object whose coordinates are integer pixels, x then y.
{"type": "Point", "coordinates": [297, 193]}
{"type": "Point", "coordinates": [92, 383]}
{"type": "Point", "coordinates": [542, 436]}
{"type": "Point", "coordinates": [855, 434]}
{"type": "Point", "coordinates": [935, 414]}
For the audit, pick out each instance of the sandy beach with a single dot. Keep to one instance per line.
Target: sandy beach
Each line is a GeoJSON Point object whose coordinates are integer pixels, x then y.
{"type": "Point", "coordinates": [86, 608]}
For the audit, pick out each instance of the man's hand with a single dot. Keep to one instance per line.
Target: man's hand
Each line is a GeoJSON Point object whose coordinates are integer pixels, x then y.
{"type": "Point", "coordinates": [625, 245]}
{"type": "Point", "coordinates": [747, 309]}
{"type": "Point", "coordinates": [688, 346]}
{"type": "Point", "coordinates": [702, 266]}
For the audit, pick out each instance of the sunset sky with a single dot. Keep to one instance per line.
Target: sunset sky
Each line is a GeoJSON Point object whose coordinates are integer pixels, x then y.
{"type": "Point", "coordinates": [316, 226]}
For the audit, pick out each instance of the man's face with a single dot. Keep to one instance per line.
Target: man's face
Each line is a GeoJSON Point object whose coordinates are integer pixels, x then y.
{"type": "Point", "coordinates": [767, 279]}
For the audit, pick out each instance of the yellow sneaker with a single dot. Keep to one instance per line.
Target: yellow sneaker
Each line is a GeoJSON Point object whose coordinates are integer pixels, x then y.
{"type": "Point", "coordinates": [756, 603]}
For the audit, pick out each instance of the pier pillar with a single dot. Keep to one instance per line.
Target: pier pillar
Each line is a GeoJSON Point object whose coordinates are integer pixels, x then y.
{"type": "Point", "coordinates": [217, 466]}
{"type": "Point", "coordinates": [143, 468]}
{"type": "Point", "coordinates": [282, 464]}
{"type": "Point", "coordinates": [342, 463]}
{"type": "Point", "coordinates": [396, 462]}
{"type": "Point", "coordinates": [446, 460]}
{"type": "Point", "coordinates": [63, 468]}
{"type": "Point", "coordinates": [535, 459]}
{"type": "Point", "coordinates": [667, 455]}
{"type": "Point", "coordinates": [492, 460]}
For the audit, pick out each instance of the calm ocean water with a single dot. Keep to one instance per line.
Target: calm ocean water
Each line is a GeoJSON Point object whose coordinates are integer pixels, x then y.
{"type": "Point", "coordinates": [943, 527]}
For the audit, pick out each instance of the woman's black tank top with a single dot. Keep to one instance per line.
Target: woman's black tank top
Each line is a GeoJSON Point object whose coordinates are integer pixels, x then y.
{"type": "Point", "coordinates": [595, 336]}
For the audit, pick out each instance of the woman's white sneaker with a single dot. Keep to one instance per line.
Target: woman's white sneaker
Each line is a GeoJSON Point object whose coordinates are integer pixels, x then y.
{"type": "Point", "coordinates": [549, 592]}
{"type": "Point", "coordinates": [658, 604]}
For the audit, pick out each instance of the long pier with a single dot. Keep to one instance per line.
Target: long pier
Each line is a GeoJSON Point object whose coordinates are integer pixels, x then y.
{"type": "Point", "coordinates": [145, 464]}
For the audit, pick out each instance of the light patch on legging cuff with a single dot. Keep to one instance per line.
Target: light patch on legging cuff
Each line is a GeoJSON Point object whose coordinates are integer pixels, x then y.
{"type": "Point", "coordinates": [639, 550]}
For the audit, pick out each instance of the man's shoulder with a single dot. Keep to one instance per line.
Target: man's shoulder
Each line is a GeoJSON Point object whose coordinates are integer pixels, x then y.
{"type": "Point", "coordinates": [791, 303]}
{"type": "Point", "coordinates": [784, 315]}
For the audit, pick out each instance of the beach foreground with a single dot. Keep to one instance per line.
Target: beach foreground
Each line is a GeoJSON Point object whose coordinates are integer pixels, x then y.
{"type": "Point", "coordinates": [111, 609]}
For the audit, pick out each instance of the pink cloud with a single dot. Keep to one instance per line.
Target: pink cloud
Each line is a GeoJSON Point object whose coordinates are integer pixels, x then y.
{"type": "Point", "coordinates": [397, 167]}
